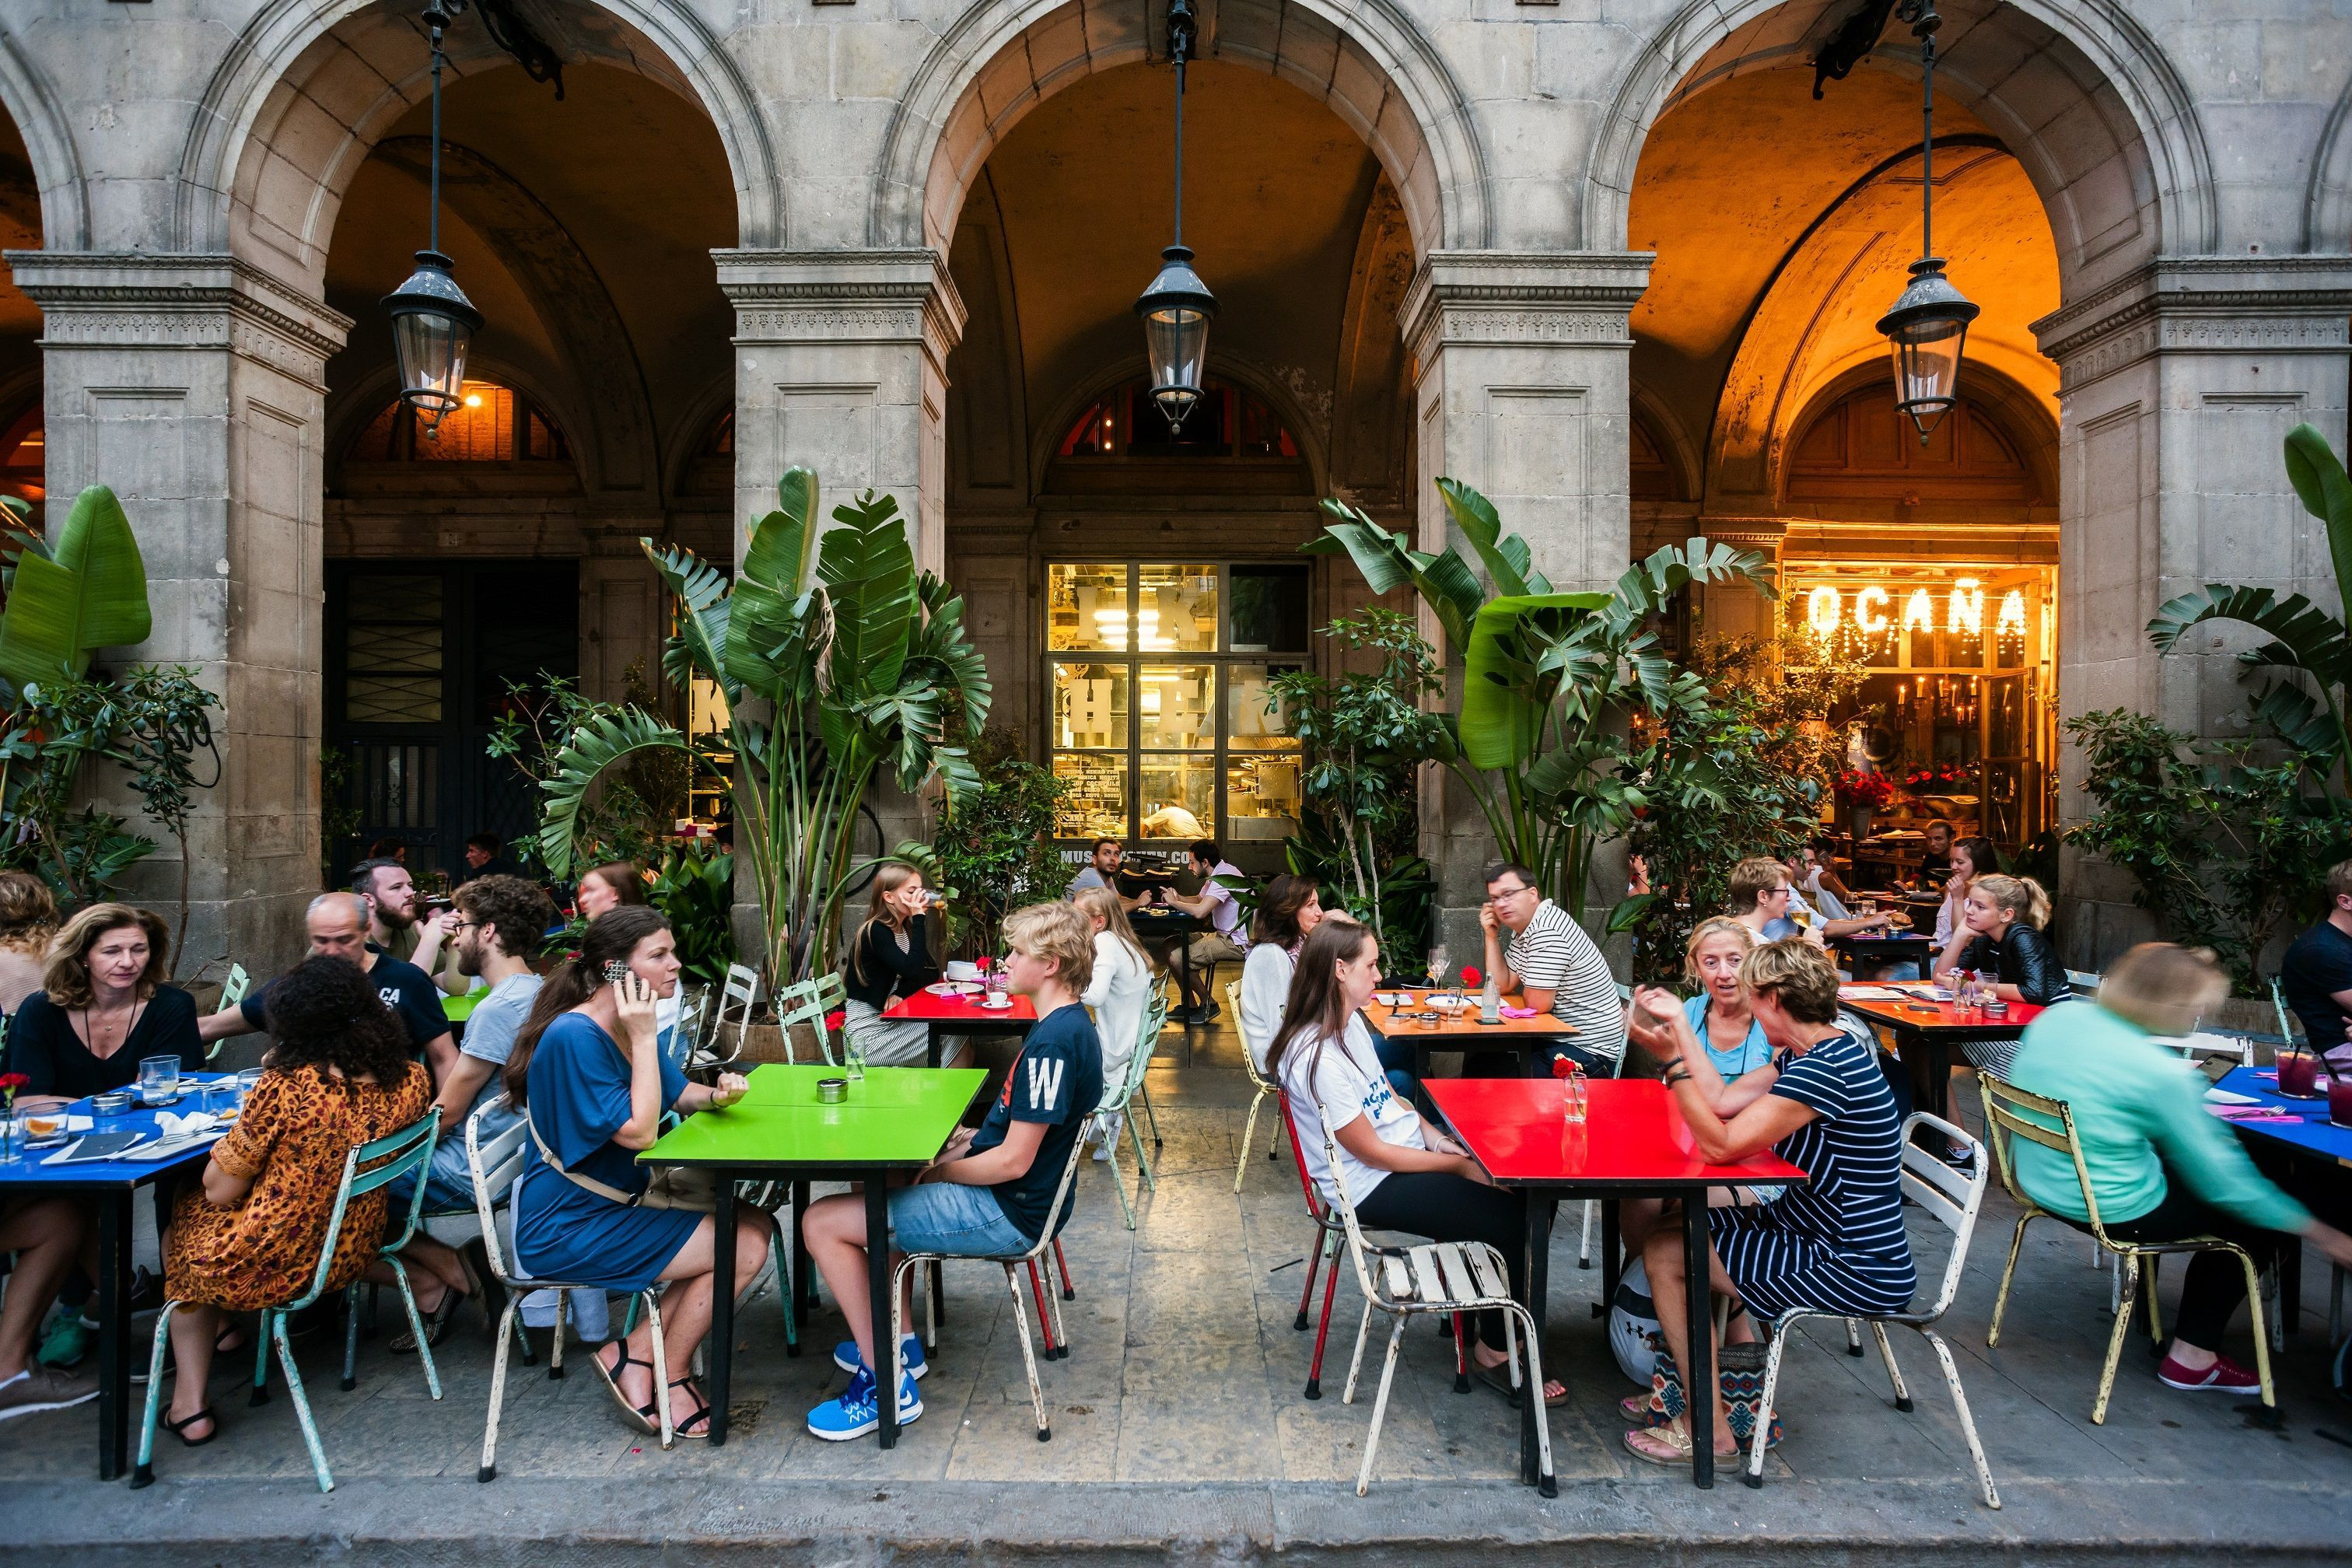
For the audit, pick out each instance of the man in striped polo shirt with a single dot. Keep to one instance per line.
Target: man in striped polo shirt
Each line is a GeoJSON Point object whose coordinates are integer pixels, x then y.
{"type": "Point", "coordinates": [1554, 966]}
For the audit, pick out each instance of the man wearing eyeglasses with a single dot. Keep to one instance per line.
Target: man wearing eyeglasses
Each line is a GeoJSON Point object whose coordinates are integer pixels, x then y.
{"type": "Point", "coordinates": [1553, 965]}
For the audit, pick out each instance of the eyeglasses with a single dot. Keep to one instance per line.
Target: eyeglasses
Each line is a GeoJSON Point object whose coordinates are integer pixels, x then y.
{"type": "Point", "coordinates": [1499, 895]}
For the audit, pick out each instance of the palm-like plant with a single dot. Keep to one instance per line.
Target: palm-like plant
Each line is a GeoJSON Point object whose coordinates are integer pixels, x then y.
{"type": "Point", "coordinates": [838, 659]}
{"type": "Point", "coordinates": [2306, 665]}
{"type": "Point", "coordinates": [1550, 679]}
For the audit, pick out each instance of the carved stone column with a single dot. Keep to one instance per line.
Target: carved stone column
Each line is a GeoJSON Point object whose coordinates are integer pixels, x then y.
{"type": "Point", "coordinates": [193, 386]}
{"type": "Point", "coordinates": [2177, 386]}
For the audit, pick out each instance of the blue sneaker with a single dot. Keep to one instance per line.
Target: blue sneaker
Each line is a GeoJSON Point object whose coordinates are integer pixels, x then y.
{"type": "Point", "coordinates": [859, 1409]}
{"type": "Point", "coordinates": [846, 1357]}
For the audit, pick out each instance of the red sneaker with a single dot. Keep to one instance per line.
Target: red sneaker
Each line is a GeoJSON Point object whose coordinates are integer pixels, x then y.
{"type": "Point", "coordinates": [2224, 1376]}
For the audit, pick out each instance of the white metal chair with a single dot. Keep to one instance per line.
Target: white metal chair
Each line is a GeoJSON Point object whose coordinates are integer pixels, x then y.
{"type": "Point", "coordinates": [1953, 1200]}
{"type": "Point", "coordinates": [496, 1167]}
{"type": "Point", "coordinates": [1119, 1102]}
{"type": "Point", "coordinates": [736, 997]}
{"type": "Point", "coordinates": [1262, 1089]}
{"type": "Point", "coordinates": [1013, 1263]}
{"type": "Point", "coordinates": [1449, 1277]}
{"type": "Point", "coordinates": [233, 991]}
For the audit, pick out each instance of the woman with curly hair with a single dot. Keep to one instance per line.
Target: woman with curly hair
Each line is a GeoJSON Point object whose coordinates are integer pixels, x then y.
{"type": "Point", "coordinates": [28, 917]}
{"type": "Point", "coordinates": [338, 1076]}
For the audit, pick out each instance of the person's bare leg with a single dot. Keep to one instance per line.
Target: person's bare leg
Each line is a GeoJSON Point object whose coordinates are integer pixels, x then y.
{"type": "Point", "coordinates": [433, 1272]}
{"type": "Point", "coordinates": [46, 1234]}
{"type": "Point", "coordinates": [1662, 1258]}
{"type": "Point", "coordinates": [686, 1308]}
{"type": "Point", "coordinates": [835, 1231]}
{"type": "Point", "coordinates": [194, 1330]}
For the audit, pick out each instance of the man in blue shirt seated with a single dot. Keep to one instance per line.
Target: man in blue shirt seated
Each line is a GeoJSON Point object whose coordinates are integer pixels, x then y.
{"type": "Point", "coordinates": [991, 1191]}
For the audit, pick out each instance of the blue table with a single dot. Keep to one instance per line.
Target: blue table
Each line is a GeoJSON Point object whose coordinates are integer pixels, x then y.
{"type": "Point", "coordinates": [2310, 1156]}
{"type": "Point", "coordinates": [111, 1184]}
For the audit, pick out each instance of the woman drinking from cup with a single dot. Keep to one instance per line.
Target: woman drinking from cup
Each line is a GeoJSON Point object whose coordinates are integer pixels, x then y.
{"type": "Point", "coordinates": [890, 957]}
{"type": "Point", "coordinates": [102, 1010]}
{"type": "Point", "coordinates": [609, 888]}
{"type": "Point", "coordinates": [588, 1073]}
{"type": "Point", "coordinates": [1971, 859]}
{"type": "Point", "coordinates": [2004, 921]}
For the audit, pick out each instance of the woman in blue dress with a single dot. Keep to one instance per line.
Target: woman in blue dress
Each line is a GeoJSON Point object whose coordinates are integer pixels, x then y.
{"type": "Point", "coordinates": [588, 1071]}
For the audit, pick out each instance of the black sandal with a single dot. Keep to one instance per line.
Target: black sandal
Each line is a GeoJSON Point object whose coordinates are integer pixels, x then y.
{"type": "Point", "coordinates": [180, 1428]}
{"type": "Point", "coordinates": [643, 1420]}
{"type": "Point", "coordinates": [436, 1323]}
{"type": "Point", "coordinates": [701, 1412]}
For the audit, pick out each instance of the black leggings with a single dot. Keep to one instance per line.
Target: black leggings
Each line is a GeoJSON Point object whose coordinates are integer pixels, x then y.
{"type": "Point", "coordinates": [1443, 1207]}
{"type": "Point", "coordinates": [2215, 1284]}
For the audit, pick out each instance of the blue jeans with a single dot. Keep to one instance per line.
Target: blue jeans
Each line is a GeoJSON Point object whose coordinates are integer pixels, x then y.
{"type": "Point", "coordinates": [953, 1219]}
{"type": "Point", "coordinates": [1397, 1058]}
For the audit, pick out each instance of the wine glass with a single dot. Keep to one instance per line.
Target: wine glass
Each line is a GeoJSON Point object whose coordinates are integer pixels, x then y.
{"type": "Point", "coordinates": [1440, 961]}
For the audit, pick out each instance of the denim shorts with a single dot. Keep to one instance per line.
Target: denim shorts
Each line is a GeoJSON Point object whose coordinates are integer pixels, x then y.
{"type": "Point", "coordinates": [956, 1220]}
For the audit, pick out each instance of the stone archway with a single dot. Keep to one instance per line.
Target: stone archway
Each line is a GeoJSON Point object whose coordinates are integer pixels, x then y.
{"type": "Point", "coordinates": [27, 98]}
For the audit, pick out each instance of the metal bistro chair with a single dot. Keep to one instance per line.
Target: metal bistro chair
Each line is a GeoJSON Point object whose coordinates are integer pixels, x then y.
{"type": "Point", "coordinates": [1262, 1089]}
{"type": "Point", "coordinates": [1011, 1263]}
{"type": "Point", "coordinates": [1954, 1200]}
{"type": "Point", "coordinates": [1449, 1277]}
{"type": "Point", "coordinates": [736, 998]}
{"type": "Point", "coordinates": [233, 991]}
{"type": "Point", "coordinates": [2051, 1123]}
{"type": "Point", "coordinates": [809, 1003]}
{"type": "Point", "coordinates": [406, 1153]}
{"type": "Point", "coordinates": [1120, 1102]}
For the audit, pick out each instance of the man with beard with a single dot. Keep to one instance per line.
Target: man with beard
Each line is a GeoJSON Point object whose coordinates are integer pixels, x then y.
{"type": "Point", "coordinates": [393, 925]}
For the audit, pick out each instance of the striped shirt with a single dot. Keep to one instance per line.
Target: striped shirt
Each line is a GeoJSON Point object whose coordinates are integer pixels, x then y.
{"type": "Point", "coordinates": [1554, 954]}
{"type": "Point", "coordinates": [1837, 1241]}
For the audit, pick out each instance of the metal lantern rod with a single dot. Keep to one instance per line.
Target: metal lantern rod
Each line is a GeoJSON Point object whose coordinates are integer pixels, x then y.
{"type": "Point", "coordinates": [1180, 47]}
{"type": "Point", "coordinates": [437, 21]}
{"type": "Point", "coordinates": [1924, 27]}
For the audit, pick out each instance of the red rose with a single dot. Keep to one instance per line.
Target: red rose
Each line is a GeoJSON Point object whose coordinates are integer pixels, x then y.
{"type": "Point", "coordinates": [832, 1021]}
{"type": "Point", "coordinates": [1561, 1067]}
{"type": "Point", "coordinates": [13, 1081]}
{"type": "Point", "coordinates": [1470, 976]}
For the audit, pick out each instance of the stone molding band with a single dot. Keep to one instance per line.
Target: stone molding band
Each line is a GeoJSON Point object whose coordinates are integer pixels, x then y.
{"type": "Point", "coordinates": [1542, 299]}
{"type": "Point", "coordinates": [893, 296]}
{"type": "Point", "coordinates": [2216, 305]}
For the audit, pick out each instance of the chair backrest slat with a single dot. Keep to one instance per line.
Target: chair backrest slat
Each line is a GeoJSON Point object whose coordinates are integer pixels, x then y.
{"type": "Point", "coordinates": [408, 1152]}
{"type": "Point", "coordinates": [496, 1166]}
{"type": "Point", "coordinates": [2013, 1111]}
{"type": "Point", "coordinates": [1954, 1199]}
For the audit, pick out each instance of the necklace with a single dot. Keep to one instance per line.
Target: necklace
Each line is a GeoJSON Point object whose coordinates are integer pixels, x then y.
{"type": "Point", "coordinates": [90, 1031]}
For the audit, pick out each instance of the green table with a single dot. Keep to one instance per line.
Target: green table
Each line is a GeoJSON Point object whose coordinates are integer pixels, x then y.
{"type": "Point", "coordinates": [896, 1119]}
{"type": "Point", "coordinates": [457, 1009]}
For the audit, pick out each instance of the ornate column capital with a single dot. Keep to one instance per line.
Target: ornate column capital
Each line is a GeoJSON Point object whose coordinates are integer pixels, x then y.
{"type": "Point", "coordinates": [1535, 298]}
{"type": "Point", "coordinates": [2202, 305]}
{"type": "Point", "coordinates": [894, 295]}
{"type": "Point", "coordinates": [137, 300]}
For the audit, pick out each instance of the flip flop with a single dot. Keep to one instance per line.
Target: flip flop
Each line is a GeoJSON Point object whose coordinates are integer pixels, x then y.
{"type": "Point", "coordinates": [1677, 1444]}
{"type": "Point", "coordinates": [643, 1420]}
{"type": "Point", "coordinates": [1635, 1408]}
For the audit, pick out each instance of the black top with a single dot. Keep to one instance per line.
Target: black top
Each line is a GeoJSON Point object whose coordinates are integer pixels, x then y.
{"type": "Point", "coordinates": [407, 990]}
{"type": "Point", "coordinates": [2023, 959]}
{"type": "Point", "coordinates": [889, 970]}
{"type": "Point", "coordinates": [2316, 966]}
{"type": "Point", "coordinates": [42, 1045]}
{"type": "Point", "coordinates": [1056, 1080]}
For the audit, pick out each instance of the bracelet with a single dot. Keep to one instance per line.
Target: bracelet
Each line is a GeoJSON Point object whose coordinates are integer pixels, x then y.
{"type": "Point", "coordinates": [1669, 1074]}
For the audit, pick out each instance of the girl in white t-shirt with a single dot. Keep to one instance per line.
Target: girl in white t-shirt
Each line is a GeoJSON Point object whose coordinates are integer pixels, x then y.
{"type": "Point", "coordinates": [1118, 994]}
{"type": "Point", "coordinates": [1398, 1173]}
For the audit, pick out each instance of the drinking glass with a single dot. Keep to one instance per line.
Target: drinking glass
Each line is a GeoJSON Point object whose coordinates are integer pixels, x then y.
{"type": "Point", "coordinates": [853, 1057]}
{"type": "Point", "coordinates": [2298, 1074]}
{"type": "Point", "coordinates": [159, 1081]}
{"type": "Point", "coordinates": [218, 1098]}
{"type": "Point", "coordinates": [2339, 1100]}
{"type": "Point", "coordinates": [1440, 961]}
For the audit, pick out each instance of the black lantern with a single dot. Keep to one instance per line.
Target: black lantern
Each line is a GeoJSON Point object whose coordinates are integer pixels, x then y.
{"type": "Point", "coordinates": [432, 320]}
{"type": "Point", "coordinates": [1927, 327]}
{"type": "Point", "coordinates": [1177, 308]}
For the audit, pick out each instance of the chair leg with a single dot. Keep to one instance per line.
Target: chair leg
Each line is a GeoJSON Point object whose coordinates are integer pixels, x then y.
{"type": "Point", "coordinates": [661, 1372]}
{"type": "Point", "coordinates": [1967, 1421]}
{"type": "Point", "coordinates": [301, 1404]}
{"type": "Point", "coordinates": [1249, 1136]}
{"type": "Point", "coordinates": [1762, 1435]}
{"type": "Point", "coordinates": [1514, 1321]}
{"type": "Point", "coordinates": [1461, 1359]}
{"type": "Point", "coordinates": [1069, 1291]}
{"type": "Point", "coordinates": [1028, 1356]}
{"type": "Point", "coordinates": [2261, 1339]}
{"type": "Point", "coordinates": [145, 1474]}
{"type": "Point", "coordinates": [1894, 1372]}
{"type": "Point", "coordinates": [1853, 1337]}
{"type": "Point", "coordinates": [416, 1327]}
{"type": "Point", "coordinates": [1142, 1160]}
{"type": "Point", "coordinates": [1323, 1329]}
{"type": "Point", "coordinates": [2156, 1313]}
{"type": "Point", "coordinates": [2008, 1273]}
{"type": "Point", "coordinates": [1584, 1246]}
{"type": "Point", "coordinates": [1044, 1318]}
{"type": "Point", "coordinates": [507, 1327]}
{"type": "Point", "coordinates": [352, 1337]}
{"type": "Point", "coordinates": [1143, 1090]}
{"type": "Point", "coordinates": [261, 1359]}
{"type": "Point", "coordinates": [1356, 1363]}
{"type": "Point", "coordinates": [1314, 1265]}
{"type": "Point", "coordinates": [1380, 1406]}
{"type": "Point", "coordinates": [555, 1346]}
{"type": "Point", "coordinates": [1119, 1180]}
{"type": "Point", "coordinates": [2115, 1340]}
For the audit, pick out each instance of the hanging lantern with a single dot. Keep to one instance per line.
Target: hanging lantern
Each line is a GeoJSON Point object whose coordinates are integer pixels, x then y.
{"type": "Point", "coordinates": [432, 322]}
{"type": "Point", "coordinates": [1927, 326]}
{"type": "Point", "coordinates": [1177, 307]}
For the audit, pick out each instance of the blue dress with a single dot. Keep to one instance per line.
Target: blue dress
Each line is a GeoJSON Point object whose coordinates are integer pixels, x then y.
{"type": "Point", "coordinates": [579, 1098]}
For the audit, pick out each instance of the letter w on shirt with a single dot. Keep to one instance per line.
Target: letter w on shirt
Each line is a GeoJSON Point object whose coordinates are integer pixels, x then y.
{"type": "Point", "coordinates": [1045, 1081]}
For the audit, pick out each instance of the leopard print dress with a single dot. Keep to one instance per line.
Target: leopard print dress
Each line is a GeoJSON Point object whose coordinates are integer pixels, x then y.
{"type": "Point", "coordinates": [290, 1142]}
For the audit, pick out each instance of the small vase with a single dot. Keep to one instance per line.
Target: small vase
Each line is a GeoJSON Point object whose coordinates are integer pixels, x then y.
{"type": "Point", "coordinates": [1858, 820]}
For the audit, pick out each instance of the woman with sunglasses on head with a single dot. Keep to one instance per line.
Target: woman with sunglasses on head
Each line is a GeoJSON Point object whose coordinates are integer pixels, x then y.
{"type": "Point", "coordinates": [588, 1073]}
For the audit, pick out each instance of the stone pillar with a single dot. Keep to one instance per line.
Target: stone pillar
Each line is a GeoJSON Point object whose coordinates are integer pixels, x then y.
{"type": "Point", "coordinates": [2176, 387]}
{"type": "Point", "coordinates": [193, 386]}
{"type": "Point", "coordinates": [1520, 366]}
{"type": "Point", "coordinates": [841, 366]}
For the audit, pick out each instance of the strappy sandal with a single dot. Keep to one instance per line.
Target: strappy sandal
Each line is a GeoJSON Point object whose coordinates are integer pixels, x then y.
{"type": "Point", "coordinates": [1676, 1440]}
{"type": "Point", "coordinates": [436, 1323]}
{"type": "Point", "coordinates": [610, 1376]}
{"type": "Point", "coordinates": [180, 1428]}
{"type": "Point", "coordinates": [701, 1411]}
{"type": "Point", "coordinates": [1635, 1408]}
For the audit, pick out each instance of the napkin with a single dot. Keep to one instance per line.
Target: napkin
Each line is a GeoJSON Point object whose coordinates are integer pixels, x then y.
{"type": "Point", "coordinates": [2224, 1097]}
{"type": "Point", "coordinates": [1518, 1012]}
{"type": "Point", "coordinates": [194, 1124]}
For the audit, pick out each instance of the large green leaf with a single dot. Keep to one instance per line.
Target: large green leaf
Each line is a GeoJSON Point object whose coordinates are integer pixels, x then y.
{"type": "Point", "coordinates": [2303, 636]}
{"type": "Point", "coordinates": [1508, 561]}
{"type": "Point", "coordinates": [867, 567]}
{"type": "Point", "coordinates": [940, 651]}
{"type": "Point", "coordinates": [1504, 694]}
{"type": "Point", "coordinates": [593, 747]}
{"type": "Point", "coordinates": [783, 545]}
{"type": "Point", "coordinates": [2318, 477]}
{"type": "Point", "coordinates": [699, 646]}
{"type": "Point", "coordinates": [88, 594]}
{"type": "Point", "coordinates": [1444, 580]}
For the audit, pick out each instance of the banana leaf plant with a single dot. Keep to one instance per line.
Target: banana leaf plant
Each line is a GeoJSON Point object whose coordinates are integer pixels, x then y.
{"type": "Point", "coordinates": [838, 659]}
{"type": "Point", "coordinates": [1551, 680]}
{"type": "Point", "coordinates": [2304, 666]}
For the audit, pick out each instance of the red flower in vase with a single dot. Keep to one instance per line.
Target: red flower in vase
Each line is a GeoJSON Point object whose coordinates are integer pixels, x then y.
{"type": "Point", "coordinates": [833, 1022]}
{"type": "Point", "coordinates": [1561, 1067]}
{"type": "Point", "coordinates": [1470, 975]}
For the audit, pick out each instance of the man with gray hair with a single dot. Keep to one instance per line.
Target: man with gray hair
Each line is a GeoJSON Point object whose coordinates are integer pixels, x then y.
{"type": "Point", "coordinates": [336, 924]}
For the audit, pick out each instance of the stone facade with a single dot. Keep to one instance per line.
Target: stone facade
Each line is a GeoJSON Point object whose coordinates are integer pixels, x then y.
{"type": "Point", "coordinates": [193, 160]}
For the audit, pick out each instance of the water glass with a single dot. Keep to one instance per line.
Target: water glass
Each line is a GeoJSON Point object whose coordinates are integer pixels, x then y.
{"type": "Point", "coordinates": [853, 1057]}
{"type": "Point", "coordinates": [159, 1081]}
{"type": "Point", "coordinates": [219, 1098]}
{"type": "Point", "coordinates": [1572, 1100]}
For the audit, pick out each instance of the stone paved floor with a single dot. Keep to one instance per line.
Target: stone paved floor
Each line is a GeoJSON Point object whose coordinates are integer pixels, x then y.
{"type": "Point", "coordinates": [1187, 1372]}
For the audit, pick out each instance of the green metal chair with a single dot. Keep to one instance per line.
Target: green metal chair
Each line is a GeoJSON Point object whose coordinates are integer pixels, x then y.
{"type": "Point", "coordinates": [1121, 1097]}
{"type": "Point", "coordinates": [233, 991]}
{"type": "Point", "coordinates": [403, 1155]}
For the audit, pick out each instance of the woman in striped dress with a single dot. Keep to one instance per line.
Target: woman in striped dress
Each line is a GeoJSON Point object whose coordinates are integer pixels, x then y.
{"type": "Point", "coordinates": [1834, 1241]}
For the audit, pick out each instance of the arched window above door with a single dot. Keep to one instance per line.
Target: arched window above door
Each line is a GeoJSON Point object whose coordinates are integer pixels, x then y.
{"type": "Point", "coordinates": [493, 424]}
{"type": "Point", "coordinates": [1230, 421]}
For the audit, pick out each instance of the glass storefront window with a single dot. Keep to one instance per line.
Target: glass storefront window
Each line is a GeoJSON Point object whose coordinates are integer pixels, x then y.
{"type": "Point", "coordinates": [1262, 795]}
{"type": "Point", "coordinates": [1097, 805]}
{"type": "Point", "coordinates": [1086, 607]}
{"type": "Point", "coordinates": [1174, 794]}
{"type": "Point", "coordinates": [1249, 726]}
{"type": "Point", "coordinates": [1271, 608]}
{"type": "Point", "coordinates": [1176, 609]}
{"type": "Point", "coordinates": [1090, 705]}
{"type": "Point", "coordinates": [1178, 703]}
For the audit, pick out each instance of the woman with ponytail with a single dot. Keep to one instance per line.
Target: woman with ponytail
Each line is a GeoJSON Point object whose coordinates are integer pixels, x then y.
{"type": "Point", "coordinates": [2008, 915]}
{"type": "Point", "coordinates": [588, 1074]}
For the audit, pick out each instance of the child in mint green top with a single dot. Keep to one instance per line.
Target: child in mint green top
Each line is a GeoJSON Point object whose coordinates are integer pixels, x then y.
{"type": "Point", "coordinates": [2161, 1166]}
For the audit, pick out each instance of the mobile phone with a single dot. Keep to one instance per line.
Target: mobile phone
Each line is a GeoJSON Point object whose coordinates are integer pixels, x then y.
{"type": "Point", "coordinates": [613, 969]}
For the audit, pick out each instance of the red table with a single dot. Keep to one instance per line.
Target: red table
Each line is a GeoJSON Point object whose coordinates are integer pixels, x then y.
{"type": "Point", "coordinates": [960, 1016]}
{"type": "Point", "coordinates": [1634, 1144]}
{"type": "Point", "coordinates": [1926, 1030]}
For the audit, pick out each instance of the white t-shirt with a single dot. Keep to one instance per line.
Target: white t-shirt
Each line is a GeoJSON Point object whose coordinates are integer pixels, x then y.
{"type": "Point", "coordinates": [1119, 991]}
{"type": "Point", "coordinates": [1265, 991]}
{"type": "Point", "coordinates": [1342, 1082]}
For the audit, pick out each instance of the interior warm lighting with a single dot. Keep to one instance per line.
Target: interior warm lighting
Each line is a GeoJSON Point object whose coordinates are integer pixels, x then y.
{"type": "Point", "coordinates": [1918, 612]}
{"type": "Point", "coordinates": [1967, 611]}
{"type": "Point", "coordinates": [1870, 610]}
{"type": "Point", "coordinates": [1822, 610]}
{"type": "Point", "coordinates": [2012, 622]}
{"type": "Point", "coordinates": [473, 400]}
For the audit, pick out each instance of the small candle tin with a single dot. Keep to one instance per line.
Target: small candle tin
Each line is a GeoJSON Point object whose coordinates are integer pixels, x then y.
{"type": "Point", "coordinates": [832, 1090]}
{"type": "Point", "coordinates": [1996, 1008]}
{"type": "Point", "coordinates": [114, 1102]}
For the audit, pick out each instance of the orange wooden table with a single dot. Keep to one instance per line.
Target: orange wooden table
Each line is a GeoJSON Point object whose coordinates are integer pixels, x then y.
{"type": "Point", "coordinates": [1461, 1031]}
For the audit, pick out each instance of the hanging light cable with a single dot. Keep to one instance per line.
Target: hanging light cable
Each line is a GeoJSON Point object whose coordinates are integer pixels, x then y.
{"type": "Point", "coordinates": [1177, 307]}
{"type": "Point", "coordinates": [1927, 326]}
{"type": "Point", "coordinates": [432, 322]}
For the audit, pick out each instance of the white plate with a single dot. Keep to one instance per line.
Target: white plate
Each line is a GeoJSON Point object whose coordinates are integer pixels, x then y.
{"type": "Point", "coordinates": [1451, 1004]}
{"type": "Point", "coordinates": [952, 988]}
{"type": "Point", "coordinates": [998, 1004]}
